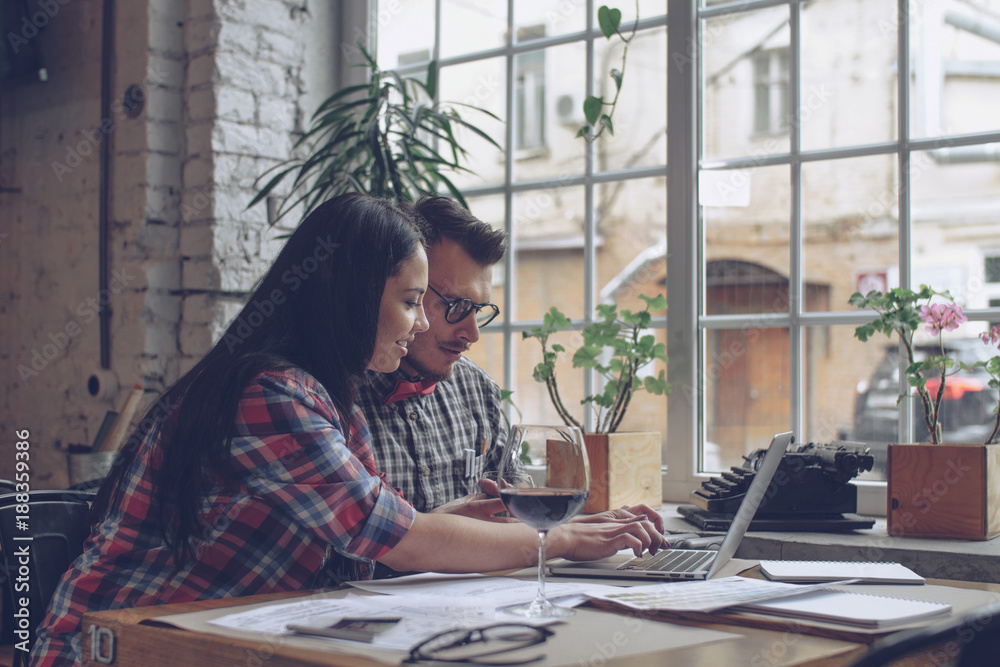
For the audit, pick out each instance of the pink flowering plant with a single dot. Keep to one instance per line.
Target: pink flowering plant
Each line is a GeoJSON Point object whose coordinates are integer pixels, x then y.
{"type": "Point", "coordinates": [903, 311]}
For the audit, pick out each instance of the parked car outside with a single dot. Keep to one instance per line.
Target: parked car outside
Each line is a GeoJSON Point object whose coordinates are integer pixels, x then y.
{"type": "Point", "coordinates": [967, 407]}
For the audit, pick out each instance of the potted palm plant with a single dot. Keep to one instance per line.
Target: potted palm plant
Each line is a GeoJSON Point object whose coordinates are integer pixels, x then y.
{"type": "Point", "coordinates": [389, 137]}
{"type": "Point", "coordinates": [936, 489]}
{"type": "Point", "coordinates": [625, 467]}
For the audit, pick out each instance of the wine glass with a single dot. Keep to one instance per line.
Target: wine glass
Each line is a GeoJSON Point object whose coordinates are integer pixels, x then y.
{"type": "Point", "coordinates": [560, 489]}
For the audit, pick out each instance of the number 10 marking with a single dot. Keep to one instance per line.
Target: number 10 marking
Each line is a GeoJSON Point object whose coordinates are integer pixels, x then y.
{"type": "Point", "coordinates": [102, 645]}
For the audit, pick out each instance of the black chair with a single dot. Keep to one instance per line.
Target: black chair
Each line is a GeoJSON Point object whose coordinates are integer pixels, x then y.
{"type": "Point", "coordinates": [970, 640]}
{"type": "Point", "coordinates": [57, 525]}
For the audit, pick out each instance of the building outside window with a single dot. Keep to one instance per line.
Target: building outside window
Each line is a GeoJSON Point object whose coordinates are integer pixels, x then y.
{"type": "Point", "coordinates": [810, 157]}
{"type": "Point", "coordinates": [770, 91]}
{"type": "Point", "coordinates": [569, 206]}
{"type": "Point", "coordinates": [530, 103]}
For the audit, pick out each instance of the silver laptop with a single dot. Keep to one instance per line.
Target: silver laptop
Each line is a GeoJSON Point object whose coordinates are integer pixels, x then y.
{"type": "Point", "coordinates": [686, 563]}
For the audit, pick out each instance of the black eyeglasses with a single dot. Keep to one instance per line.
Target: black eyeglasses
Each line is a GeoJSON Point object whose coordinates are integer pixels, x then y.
{"type": "Point", "coordinates": [458, 309]}
{"type": "Point", "coordinates": [450, 645]}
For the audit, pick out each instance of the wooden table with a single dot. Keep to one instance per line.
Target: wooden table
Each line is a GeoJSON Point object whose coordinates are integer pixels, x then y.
{"type": "Point", "coordinates": [124, 642]}
{"type": "Point", "coordinates": [143, 645]}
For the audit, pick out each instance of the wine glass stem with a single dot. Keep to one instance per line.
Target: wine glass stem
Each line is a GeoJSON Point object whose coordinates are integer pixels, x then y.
{"type": "Point", "coordinates": [540, 596]}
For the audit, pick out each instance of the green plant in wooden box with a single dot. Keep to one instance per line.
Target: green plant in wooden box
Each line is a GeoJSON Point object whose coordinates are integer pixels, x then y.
{"type": "Point", "coordinates": [617, 346]}
{"type": "Point", "coordinates": [937, 489]}
{"type": "Point", "coordinates": [625, 467]}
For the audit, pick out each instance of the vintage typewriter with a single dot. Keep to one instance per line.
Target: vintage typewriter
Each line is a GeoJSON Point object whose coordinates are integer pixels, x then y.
{"type": "Point", "coordinates": [810, 491]}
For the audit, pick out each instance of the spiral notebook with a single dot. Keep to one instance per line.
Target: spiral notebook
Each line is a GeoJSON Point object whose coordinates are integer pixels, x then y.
{"type": "Point", "coordinates": [814, 571]}
{"type": "Point", "coordinates": [847, 608]}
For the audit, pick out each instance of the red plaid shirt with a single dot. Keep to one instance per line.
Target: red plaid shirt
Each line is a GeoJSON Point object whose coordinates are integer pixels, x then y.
{"type": "Point", "coordinates": [297, 507]}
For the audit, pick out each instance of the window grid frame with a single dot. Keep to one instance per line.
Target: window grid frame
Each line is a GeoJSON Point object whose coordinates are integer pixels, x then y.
{"type": "Point", "coordinates": [685, 322]}
{"type": "Point", "coordinates": [504, 326]}
{"type": "Point", "coordinates": [871, 494]}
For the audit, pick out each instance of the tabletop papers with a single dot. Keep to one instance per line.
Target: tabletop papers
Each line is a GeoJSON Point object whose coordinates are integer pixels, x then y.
{"type": "Point", "coordinates": [500, 591]}
{"type": "Point", "coordinates": [420, 616]}
{"type": "Point", "coordinates": [703, 596]}
{"type": "Point", "coordinates": [425, 604]}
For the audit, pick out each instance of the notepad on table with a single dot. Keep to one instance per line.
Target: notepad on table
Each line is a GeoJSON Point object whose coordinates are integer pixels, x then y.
{"type": "Point", "coordinates": [819, 571]}
{"type": "Point", "coordinates": [847, 608]}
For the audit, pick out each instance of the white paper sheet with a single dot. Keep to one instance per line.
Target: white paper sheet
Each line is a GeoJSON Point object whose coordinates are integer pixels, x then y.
{"type": "Point", "coordinates": [501, 591]}
{"type": "Point", "coordinates": [708, 595]}
{"type": "Point", "coordinates": [422, 616]}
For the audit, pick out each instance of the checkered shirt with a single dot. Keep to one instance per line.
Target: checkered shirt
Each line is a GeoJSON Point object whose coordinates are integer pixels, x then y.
{"type": "Point", "coordinates": [418, 441]}
{"type": "Point", "coordinates": [297, 507]}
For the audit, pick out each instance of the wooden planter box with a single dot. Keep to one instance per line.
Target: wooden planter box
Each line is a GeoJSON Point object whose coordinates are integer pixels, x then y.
{"type": "Point", "coordinates": [624, 470]}
{"type": "Point", "coordinates": [950, 491]}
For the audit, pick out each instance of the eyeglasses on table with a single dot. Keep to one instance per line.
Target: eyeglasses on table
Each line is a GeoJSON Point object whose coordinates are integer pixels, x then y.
{"type": "Point", "coordinates": [453, 646]}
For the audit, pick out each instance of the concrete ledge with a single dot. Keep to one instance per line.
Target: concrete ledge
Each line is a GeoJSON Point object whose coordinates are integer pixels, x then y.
{"type": "Point", "coordinates": [961, 560]}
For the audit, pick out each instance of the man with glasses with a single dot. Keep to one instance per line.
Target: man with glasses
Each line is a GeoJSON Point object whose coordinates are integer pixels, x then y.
{"type": "Point", "coordinates": [436, 422]}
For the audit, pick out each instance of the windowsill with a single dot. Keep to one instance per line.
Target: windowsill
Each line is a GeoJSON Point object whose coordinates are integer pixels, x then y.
{"type": "Point", "coordinates": [963, 560]}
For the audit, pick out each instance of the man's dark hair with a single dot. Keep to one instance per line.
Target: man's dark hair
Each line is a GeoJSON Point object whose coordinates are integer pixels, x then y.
{"type": "Point", "coordinates": [441, 217]}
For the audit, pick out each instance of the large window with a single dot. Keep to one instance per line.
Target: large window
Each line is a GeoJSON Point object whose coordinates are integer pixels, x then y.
{"type": "Point", "coordinates": [580, 215]}
{"type": "Point", "coordinates": [885, 174]}
{"type": "Point", "coordinates": [816, 149]}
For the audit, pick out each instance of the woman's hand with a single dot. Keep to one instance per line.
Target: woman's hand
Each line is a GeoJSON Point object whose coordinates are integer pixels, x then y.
{"type": "Point", "coordinates": [595, 538]}
{"type": "Point", "coordinates": [631, 513]}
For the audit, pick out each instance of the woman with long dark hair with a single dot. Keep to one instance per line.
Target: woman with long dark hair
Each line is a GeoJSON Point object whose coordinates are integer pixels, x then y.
{"type": "Point", "coordinates": [253, 473]}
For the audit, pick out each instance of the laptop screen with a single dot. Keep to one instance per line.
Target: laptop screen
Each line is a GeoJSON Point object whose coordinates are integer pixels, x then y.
{"type": "Point", "coordinates": [751, 501]}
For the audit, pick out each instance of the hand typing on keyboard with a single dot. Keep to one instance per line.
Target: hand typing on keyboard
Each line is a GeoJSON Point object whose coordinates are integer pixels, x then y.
{"type": "Point", "coordinates": [651, 519]}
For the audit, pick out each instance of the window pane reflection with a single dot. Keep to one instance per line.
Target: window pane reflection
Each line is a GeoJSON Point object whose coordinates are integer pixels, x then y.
{"type": "Point", "coordinates": [744, 85]}
{"type": "Point", "coordinates": [479, 84]}
{"type": "Point", "coordinates": [640, 117]}
{"type": "Point", "coordinates": [471, 25]}
{"type": "Point", "coordinates": [848, 100]}
{"type": "Point", "coordinates": [851, 229]}
{"type": "Point", "coordinates": [405, 33]}
{"type": "Point", "coordinates": [746, 392]}
{"type": "Point", "coordinates": [548, 225]}
{"type": "Point", "coordinates": [747, 235]}
{"type": "Point", "coordinates": [955, 53]}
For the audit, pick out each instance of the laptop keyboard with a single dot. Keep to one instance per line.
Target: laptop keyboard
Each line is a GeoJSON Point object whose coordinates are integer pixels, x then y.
{"type": "Point", "coordinates": [670, 560]}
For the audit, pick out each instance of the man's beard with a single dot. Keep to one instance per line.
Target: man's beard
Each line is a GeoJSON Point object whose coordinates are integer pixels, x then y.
{"type": "Point", "coordinates": [427, 373]}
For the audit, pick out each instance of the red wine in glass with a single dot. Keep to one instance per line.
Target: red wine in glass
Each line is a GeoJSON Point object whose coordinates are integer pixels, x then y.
{"type": "Point", "coordinates": [544, 508]}
{"type": "Point", "coordinates": [555, 459]}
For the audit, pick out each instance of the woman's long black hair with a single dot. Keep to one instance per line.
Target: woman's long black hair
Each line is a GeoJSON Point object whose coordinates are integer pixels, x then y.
{"type": "Point", "coordinates": [316, 308]}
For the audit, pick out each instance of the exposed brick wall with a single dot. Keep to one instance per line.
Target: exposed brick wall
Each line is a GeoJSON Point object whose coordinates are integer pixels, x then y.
{"type": "Point", "coordinates": [226, 88]}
